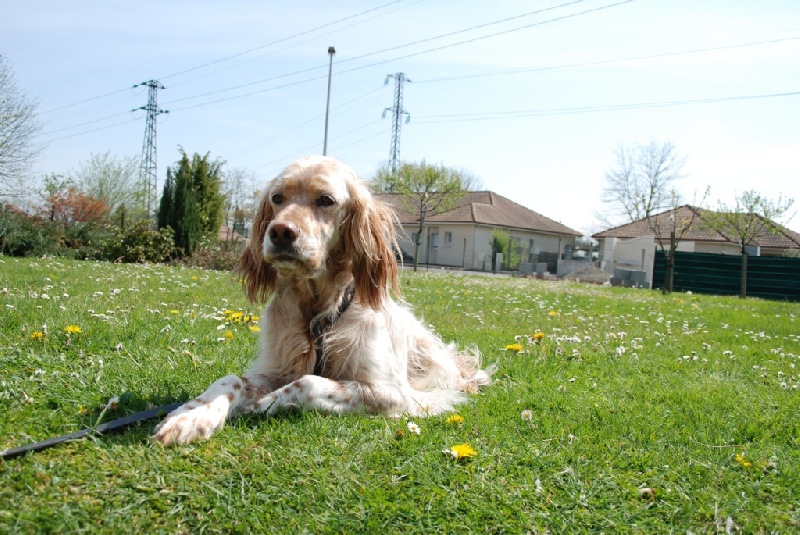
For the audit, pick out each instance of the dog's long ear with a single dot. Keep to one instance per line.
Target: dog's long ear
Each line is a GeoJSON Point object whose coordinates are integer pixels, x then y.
{"type": "Point", "coordinates": [258, 277]}
{"type": "Point", "coordinates": [370, 243]}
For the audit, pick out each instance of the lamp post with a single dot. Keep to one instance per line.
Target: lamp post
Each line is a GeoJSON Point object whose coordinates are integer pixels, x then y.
{"type": "Point", "coordinates": [331, 52]}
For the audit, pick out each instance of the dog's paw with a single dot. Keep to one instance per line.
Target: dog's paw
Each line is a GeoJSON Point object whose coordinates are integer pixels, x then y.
{"type": "Point", "coordinates": [190, 422]}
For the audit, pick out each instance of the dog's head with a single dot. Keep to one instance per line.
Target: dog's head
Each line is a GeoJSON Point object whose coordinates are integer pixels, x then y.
{"type": "Point", "coordinates": [316, 220]}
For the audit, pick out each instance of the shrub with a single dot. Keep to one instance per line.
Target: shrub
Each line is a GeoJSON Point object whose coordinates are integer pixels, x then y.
{"type": "Point", "coordinates": [216, 255]}
{"type": "Point", "coordinates": [139, 243]}
{"type": "Point", "coordinates": [22, 235]}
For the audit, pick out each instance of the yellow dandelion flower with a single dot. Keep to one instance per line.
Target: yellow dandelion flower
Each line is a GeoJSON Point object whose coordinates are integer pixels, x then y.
{"type": "Point", "coordinates": [73, 329]}
{"type": "Point", "coordinates": [228, 312]}
{"type": "Point", "coordinates": [173, 311]}
{"type": "Point", "coordinates": [255, 328]}
{"type": "Point", "coordinates": [455, 419]}
{"type": "Point", "coordinates": [553, 313]}
{"type": "Point", "coordinates": [538, 335]}
{"type": "Point", "coordinates": [228, 335]}
{"type": "Point", "coordinates": [516, 348]}
{"type": "Point", "coordinates": [37, 335]}
{"type": "Point", "coordinates": [254, 318]}
{"type": "Point", "coordinates": [741, 460]}
{"type": "Point", "coordinates": [463, 451]}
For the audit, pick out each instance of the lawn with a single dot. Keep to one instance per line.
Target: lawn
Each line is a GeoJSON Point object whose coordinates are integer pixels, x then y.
{"type": "Point", "coordinates": [616, 410]}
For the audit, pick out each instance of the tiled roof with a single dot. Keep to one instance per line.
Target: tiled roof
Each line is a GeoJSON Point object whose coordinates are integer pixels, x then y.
{"type": "Point", "coordinates": [481, 208]}
{"type": "Point", "coordinates": [228, 234]}
{"type": "Point", "coordinates": [700, 229]}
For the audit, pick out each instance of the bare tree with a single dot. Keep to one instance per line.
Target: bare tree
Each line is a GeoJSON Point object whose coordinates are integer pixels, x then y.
{"type": "Point", "coordinates": [115, 181]}
{"type": "Point", "coordinates": [751, 216]}
{"type": "Point", "coordinates": [670, 228]}
{"type": "Point", "coordinates": [428, 189]}
{"type": "Point", "coordinates": [18, 129]}
{"type": "Point", "coordinates": [642, 181]}
{"type": "Point", "coordinates": [239, 195]}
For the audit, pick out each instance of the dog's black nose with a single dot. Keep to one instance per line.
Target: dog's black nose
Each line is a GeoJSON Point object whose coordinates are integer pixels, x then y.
{"type": "Point", "coordinates": [282, 234]}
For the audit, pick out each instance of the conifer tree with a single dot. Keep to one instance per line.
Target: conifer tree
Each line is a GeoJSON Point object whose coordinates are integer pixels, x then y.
{"type": "Point", "coordinates": [207, 183]}
{"type": "Point", "coordinates": [192, 203]}
{"type": "Point", "coordinates": [166, 208]}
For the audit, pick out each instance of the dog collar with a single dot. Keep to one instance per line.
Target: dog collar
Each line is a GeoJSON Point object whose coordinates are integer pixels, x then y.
{"type": "Point", "coordinates": [321, 324]}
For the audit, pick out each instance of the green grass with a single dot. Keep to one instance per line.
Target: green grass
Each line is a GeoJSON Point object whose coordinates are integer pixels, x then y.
{"type": "Point", "coordinates": [695, 397]}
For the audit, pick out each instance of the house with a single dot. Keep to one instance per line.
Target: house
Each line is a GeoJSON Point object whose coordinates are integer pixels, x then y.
{"type": "Point", "coordinates": [232, 238]}
{"type": "Point", "coordinates": [462, 237]}
{"type": "Point", "coordinates": [633, 246]}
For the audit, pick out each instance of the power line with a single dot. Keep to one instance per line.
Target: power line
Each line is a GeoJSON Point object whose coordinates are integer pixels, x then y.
{"type": "Point", "coordinates": [507, 115]}
{"type": "Point", "coordinates": [436, 49]}
{"type": "Point", "coordinates": [312, 147]}
{"type": "Point", "coordinates": [83, 124]}
{"type": "Point", "coordinates": [481, 38]}
{"type": "Point", "coordinates": [104, 95]}
{"type": "Point", "coordinates": [356, 142]}
{"type": "Point", "coordinates": [490, 74]}
{"type": "Point", "coordinates": [277, 41]}
{"type": "Point", "coordinates": [233, 97]}
{"type": "Point", "coordinates": [92, 130]}
{"type": "Point", "coordinates": [316, 37]}
{"type": "Point", "coordinates": [525, 113]}
{"type": "Point", "coordinates": [307, 123]}
{"type": "Point", "coordinates": [606, 61]}
{"type": "Point", "coordinates": [450, 34]}
{"type": "Point", "coordinates": [413, 54]}
{"type": "Point", "coordinates": [519, 114]}
{"type": "Point", "coordinates": [113, 104]}
{"type": "Point", "coordinates": [84, 101]}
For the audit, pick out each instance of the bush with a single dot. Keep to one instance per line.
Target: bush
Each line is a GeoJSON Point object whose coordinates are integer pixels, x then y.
{"type": "Point", "coordinates": [139, 243]}
{"type": "Point", "coordinates": [216, 255]}
{"type": "Point", "coordinates": [84, 240]}
{"type": "Point", "coordinates": [21, 235]}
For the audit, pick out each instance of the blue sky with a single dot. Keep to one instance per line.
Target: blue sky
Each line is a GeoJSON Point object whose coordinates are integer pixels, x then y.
{"type": "Point", "coordinates": [535, 106]}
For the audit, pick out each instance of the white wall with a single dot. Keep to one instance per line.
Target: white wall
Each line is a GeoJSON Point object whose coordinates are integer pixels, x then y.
{"type": "Point", "coordinates": [717, 248]}
{"type": "Point", "coordinates": [469, 244]}
{"type": "Point", "coordinates": [635, 254]}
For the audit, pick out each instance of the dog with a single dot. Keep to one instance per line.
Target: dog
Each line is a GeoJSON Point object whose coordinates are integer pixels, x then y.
{"type": "Point", "coordinates": [333, 339]}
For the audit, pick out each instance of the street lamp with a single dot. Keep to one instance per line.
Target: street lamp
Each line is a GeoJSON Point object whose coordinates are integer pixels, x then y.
{"type": "Point", "coordinates": [331, 52]}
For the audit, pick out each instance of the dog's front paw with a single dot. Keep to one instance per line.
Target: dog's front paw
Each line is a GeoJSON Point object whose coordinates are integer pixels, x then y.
{"type": "Point", "coordinates": [190, 422]}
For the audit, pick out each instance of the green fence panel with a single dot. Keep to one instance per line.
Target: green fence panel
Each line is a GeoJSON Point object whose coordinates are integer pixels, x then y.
{"type": "Point", "coordinates": [769, 277]}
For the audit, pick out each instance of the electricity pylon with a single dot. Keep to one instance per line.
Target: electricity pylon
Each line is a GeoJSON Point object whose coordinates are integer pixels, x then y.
{"type": "Point", "coordinates": [148, 171]}
{"type": "Point", "coordinates": [397, 113]}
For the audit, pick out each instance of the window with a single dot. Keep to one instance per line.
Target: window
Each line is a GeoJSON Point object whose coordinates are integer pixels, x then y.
{"type": "Point", "coordinates": [435, 240]}
{"type": "Point", "coordinates": [448, 238]}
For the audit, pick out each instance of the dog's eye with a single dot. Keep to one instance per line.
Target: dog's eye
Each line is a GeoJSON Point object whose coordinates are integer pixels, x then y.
{"type": "Point", "coordinates": [326, 200]}
{"type": "Point", "coordinates": [277, 198]}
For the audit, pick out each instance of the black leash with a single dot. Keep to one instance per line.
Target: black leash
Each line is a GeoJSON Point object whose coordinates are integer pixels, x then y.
{"type": "Point", "coordinates": [99, 430]}
{"type": "Point", "coordinates": [320, 325]}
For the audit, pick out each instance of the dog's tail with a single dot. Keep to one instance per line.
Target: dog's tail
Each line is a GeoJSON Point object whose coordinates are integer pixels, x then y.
{"type": "Point", "coordinates": [432, 402]}
{"type": "Point", "coordinates": [443, 379]}
{"type": "Point", "coordinates": [473, 377]}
